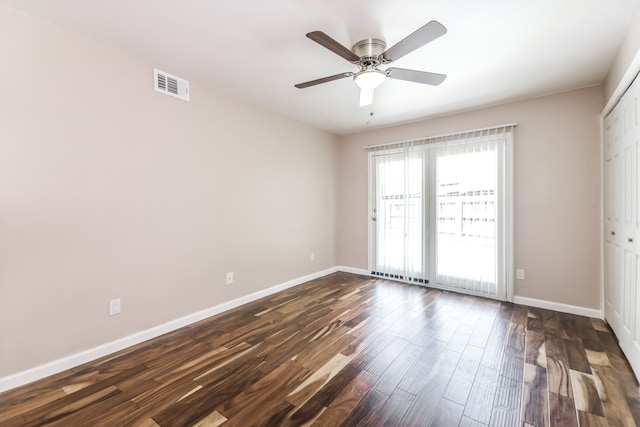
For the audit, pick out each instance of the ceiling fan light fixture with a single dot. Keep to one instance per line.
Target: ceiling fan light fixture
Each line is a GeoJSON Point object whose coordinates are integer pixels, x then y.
{"type": "Point", "coordinates": [369, 79]}
{"type": "Point", "coordinates": [366, 97]}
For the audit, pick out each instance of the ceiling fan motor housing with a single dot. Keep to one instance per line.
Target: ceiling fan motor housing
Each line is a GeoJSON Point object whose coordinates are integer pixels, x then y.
{"type": "Point", "coordinates": [370, 52]}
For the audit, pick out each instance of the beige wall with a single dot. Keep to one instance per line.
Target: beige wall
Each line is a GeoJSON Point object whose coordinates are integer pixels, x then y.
{"type": "Point", "coordinates": [109, 189]}
{"type": "Point", "coordinates": [628, 49]}
{"type": "Point", "coordinates": [557, 190]}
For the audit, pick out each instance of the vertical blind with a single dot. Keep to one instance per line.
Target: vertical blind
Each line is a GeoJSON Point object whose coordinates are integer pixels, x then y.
{"type": "Point", "coordinates": [399, 212]}
{"type": "Point", "coordinates": [439, 212]}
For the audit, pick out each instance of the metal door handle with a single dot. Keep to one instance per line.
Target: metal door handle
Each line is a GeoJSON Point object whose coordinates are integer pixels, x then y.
{"type": "Point", "coordinates": [630, 239]}
{"type": "Point", "coordinates": [613, 233]}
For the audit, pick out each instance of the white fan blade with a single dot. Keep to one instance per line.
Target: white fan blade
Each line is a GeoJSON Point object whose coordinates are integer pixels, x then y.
{"type": "Point", "coordinates": [366, 97]}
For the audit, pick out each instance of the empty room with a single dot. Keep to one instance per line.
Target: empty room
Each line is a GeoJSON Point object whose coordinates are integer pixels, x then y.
{"type": "Point", "coordinates": [328, 213]}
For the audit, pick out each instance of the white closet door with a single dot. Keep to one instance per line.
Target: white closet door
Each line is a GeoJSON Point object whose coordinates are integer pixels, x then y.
{"type": "Point", "coordinates": [627, 218]}
{"type": "Point", "coordinates": [634, 229]}
{"type": "Point", "coordinates": [612, 256]}
{"type": "Point", "coordinates": [622, 252]}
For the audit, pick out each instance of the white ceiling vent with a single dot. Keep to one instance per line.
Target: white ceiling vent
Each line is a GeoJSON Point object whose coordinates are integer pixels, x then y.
{"type": "Point", "coordinates": [170, 85]}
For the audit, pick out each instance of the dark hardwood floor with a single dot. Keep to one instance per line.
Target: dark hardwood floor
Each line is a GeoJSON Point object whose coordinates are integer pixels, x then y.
{"type": "Point", "coordinates": [348, 350]}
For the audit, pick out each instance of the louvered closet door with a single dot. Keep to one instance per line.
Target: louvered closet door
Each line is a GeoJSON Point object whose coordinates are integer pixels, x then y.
{"type": "Point", "coordinates": [622, 138]}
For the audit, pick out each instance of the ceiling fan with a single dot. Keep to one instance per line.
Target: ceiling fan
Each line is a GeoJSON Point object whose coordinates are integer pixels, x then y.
{"type": "Point", "coordinates": [370, 54]}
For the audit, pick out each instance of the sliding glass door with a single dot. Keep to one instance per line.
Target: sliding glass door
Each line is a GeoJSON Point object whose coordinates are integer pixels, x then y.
{"type": "Point", "coordinates": [439, 214]}
{"type": "Point", "coordinates": [466, 217]}
{"type": "Point", "coordinates": [399, 215]}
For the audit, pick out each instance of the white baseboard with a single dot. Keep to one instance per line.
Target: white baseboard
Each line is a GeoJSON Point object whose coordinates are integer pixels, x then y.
{"type": "Point", "coordinates": [531, 302]}
{"type": "Point", "coordinates": [556, 306]}
{"type": "Point", "coordinates": [353, 270]}
{"type": "Point", "coordinates": [56, 366]}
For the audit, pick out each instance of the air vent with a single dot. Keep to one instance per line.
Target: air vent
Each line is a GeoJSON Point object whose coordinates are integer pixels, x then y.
{"type": "Point", "coordinates": [171, 85]}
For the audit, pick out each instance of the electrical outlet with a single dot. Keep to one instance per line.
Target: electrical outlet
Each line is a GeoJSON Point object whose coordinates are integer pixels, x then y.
{"type": "Point", "coordinates": [114, 307]}
{"type": "Point", "coordinates": [229, 279]}
{"type": "Point", "coordinates": [520, 274]}
{"type": "Point", "coordinates": [312, 257]}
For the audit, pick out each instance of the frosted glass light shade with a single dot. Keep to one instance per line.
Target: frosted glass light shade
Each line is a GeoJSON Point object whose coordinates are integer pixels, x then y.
{"type": "Point", "coordinates": [369, 79]}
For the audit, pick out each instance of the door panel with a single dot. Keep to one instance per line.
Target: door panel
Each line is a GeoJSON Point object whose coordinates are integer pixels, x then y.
{"type": "Point", "coordinates": [399, 216]}
{"type": "Point", "coordinates": [621, 223]}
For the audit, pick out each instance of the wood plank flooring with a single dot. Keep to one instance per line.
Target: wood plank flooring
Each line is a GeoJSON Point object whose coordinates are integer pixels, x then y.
{"type": "Point", "coordinates": [347, 350]}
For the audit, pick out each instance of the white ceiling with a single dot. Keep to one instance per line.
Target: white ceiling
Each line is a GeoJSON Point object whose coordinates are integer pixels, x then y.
{"type": "Point", "coordinates": [495, 50]}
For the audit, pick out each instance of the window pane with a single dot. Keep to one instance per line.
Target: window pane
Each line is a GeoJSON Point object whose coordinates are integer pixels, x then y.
{"type": "Point", "coordinates": [400, 215]}
{"type": "Point", "coordinates": [466, 217]}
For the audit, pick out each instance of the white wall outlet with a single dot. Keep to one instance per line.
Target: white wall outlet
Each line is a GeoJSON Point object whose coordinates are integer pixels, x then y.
{"type": "Point", "coordinates": [114, 307]}
{"type": "Point", "coordinates": [520, 274]}
{"type": "Point", "coordinates": [229, 279]}
{"type": "Point", "coordinates": [312, 257]}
